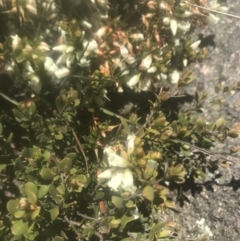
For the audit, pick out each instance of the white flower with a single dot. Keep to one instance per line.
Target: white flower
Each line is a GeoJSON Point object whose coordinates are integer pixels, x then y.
{"type": "Point", "coordinates": [129, 59]}
{"type": "Point", "coordinates": [28, 67]}
{"type": "Point", "coordinates": [195, 45]}
{"type": "Point", "coordinates": [135, 213]}
{"type": "Point", "coordinates": [70, 60]}
{"type": "Point", "coordinates": [50, 66]}
{"type": "Point", "coordinates": [130, 144]}
{"type": "Point", "coordinates": [70, 49]}
{"type": "Point", "coordinates": [186, 14]}
{"type": "Point", "coordinates": [43, 46]}
{"type": "Point", "coordinates": [122, 65]}
{"type": "Point", "coordinates": [35, 83]}
{"type": "Point", "coordinates": [15, 42]}
{"type": "Point", "coordinates": [212, 18]}
{"type": "Point", "coordinates": [166, 21]}
{"type": "Point", "coordinates": [101, 32]}
{"type": "Point", "coordinates": [90, 46]}
{"type": "Point", "coordinates": [62, 72]}
{"type": "Point", "coordinates": [61, 48]}
{"type": "Point", "coordinates": [145, 84]}
{"type": "Point", "coordinates": [123, 51]}
{"type": "Point", "coordinates": [127, 180]}
{"type": "Point", "coordinates": [9, 68]}
{"type": "Point", "coordinates": [134, 80]}
{"type": "Point", "coordinates": [184, 26]}
{"type": "Point", "coordinates": [153, 69]}
{"type": "Point", "coordinates": [67, 56]}
{"type": "Point", "coordinates": [116, 180]}
{"type": "Point", "coordinates": [175, 77]}
{"type": "Point", "coordinates": [106, 174]}
{"type": "Point", "coordinates": [115, 160]}
{"type": "Point", "coordinates": [83, 61]}
{"type": "Point", "coordinates": [137, 36]}
{"type": "Point", "coordinates": [185, 62]}
{"type": "Point", "coordinates": [32, 8]}
{"type": "Point", "coordinates": [125, 54]}
{"type": "Point", "coordinates": [87, 24]}
{"type": "Point", "coordinates": [146, 62]}
{"type": "Point", "coordinates": [173, 26]}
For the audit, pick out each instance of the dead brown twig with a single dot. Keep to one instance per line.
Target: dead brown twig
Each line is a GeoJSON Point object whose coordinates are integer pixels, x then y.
{"type": "Point", "coordinates": [80, 148]}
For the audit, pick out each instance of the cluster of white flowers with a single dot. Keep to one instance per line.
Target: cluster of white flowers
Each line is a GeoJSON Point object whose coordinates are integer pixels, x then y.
{"type": "Point", "coordinates": [119, 174]}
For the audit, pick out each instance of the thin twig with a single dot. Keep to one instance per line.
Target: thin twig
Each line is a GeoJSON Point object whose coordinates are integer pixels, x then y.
{"type": "Point", "coordinates": [86, 217]}
{"type": "Point", "coordinates": [72, 222]}
{"type": "Point", "coordinates": [9, 99]}
{"type": "Point", "coordinates": [99, 235]}
{"type": "Point", "coordinates": [80, 148]}
{"type": "Point", "coordinates": [206, 151]}
{"type": "Point", "coordinates": [212, 10]}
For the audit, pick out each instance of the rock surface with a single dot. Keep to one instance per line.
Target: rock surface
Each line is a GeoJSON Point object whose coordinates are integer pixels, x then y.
{"type": "Point", "coordinates": [217, 207]}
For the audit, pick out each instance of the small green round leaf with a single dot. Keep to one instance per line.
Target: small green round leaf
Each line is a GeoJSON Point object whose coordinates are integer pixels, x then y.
{"type": "Point", "coordinates": [148, 193]}
{"type": "Point", "coordinates": [46, 174]}
{"type": "Point", "coordinates": [12, 206]}
{"type": "Point", "coordinates": [19, 214]}
{"type": "Point", "coordinates": [19, 227]}
{"type": "Point", "coordinates": [54, 212]}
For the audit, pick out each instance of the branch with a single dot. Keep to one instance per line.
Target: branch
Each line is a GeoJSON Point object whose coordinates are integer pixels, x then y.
{"type": "Point", "coordinates": [80, 148]}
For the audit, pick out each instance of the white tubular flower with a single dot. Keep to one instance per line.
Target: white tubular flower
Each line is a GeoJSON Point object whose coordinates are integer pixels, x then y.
{"type": "Point", "coordinates": [67, 56]}
{"type": "Point", "coordinates": [126, 56]}
{"type": "Point", "coordinates": [83, 61]}
{"type": "Point", "coordinates": [153, 69]}
{"type": "Point", "coordinates": [32, 8]}
{"type": "Point", "coordinates": [145, 84]}
{"type": "Point", "coordinates": [146, 62]}
{"type": "Point", "coordinates": [106, 174]}
{"type": "Point", "coordinates": [62, 72]}
{"type": "Point", "coordinates": [127, 180]}
{"type": "Point", "coordinates": [124, 52]}
{"type": "Point", "coordinates": [130, 144]}
{"type": "Point", "coordinates": [137, 36]}
{"type": "Point", "coordinates": [185, 62]}
{"type": "Point", "coordinates": [115, 160]}
{"type": "Point", "coordinates": [43, 46]}
{"type": "Point", "coordinates": [69, 49]}
{"type": "Point", "coordinates": [175, 77]}
{"type": "Point", "coordinates": [15, 42]}
{"type": "Point", "coordinates": [101, 32]}
{"type": "Point", "coordinates": [50, 66]}
{"type": "Point", "coordinates": [135, 213]}
{"type": "Point", "coordinates": [173, 26]}
{"type": "Point", "coordinates": [212, 18]}
{"type": "Point", "coordinates": [195, 45]}
{"type": "Point", "coordinates": [28, 67]}
{"type": "Point", "coordinates": [35, 83]}
{"type": "Point", "coordinates": [9, 68]}
{"type": "Point", "coordinates": [134, 80]}
{"type": "Point", "coordinates": [116, 180]}
{"type": "Point", "coordinates": [90, 46]}
{"type": "Point", "coordinates": [60, 48]}
{"type": "Point", "coordinates": [70, 60]}
{"type": "Point", "coordinates": [166, 21]}
{"type": "Point", "coordinates": [184, 26]}
{"type": "Point", "coordinates": [129, 59]}
{"type": "Point", "coordinates": [186, 14]}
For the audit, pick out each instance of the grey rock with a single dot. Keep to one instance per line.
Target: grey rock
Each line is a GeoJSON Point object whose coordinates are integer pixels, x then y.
{"type": "Point", "coordinates": [219, 207]}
